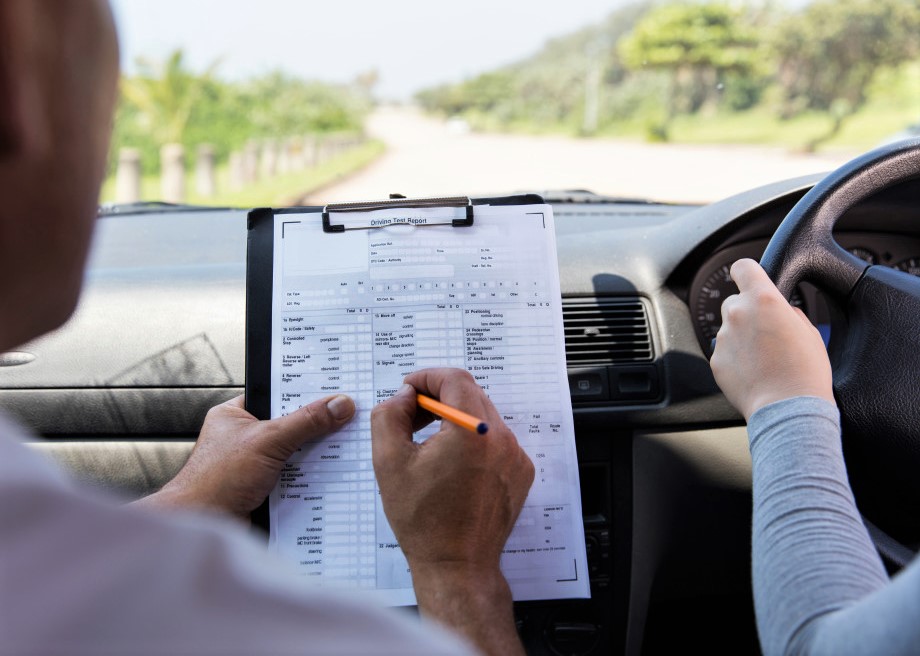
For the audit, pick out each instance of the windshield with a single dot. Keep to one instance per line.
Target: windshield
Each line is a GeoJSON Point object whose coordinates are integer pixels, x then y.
{"type": "Point", "coordinates": [281, 102]}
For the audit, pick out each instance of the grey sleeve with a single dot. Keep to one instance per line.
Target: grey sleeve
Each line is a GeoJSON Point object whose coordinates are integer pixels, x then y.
{"type": "Point", "coordinates": [819, 585]}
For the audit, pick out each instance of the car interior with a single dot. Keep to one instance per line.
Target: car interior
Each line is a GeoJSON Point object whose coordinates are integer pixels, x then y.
{"type": "Point", "coordinates": [120, 392]}
{"type": "Point", "coordinates": [671, 138]}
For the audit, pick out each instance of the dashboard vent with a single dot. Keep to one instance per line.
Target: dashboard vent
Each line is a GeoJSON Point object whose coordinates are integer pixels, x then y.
{"type": "Point", "coordinates": [606, 332]}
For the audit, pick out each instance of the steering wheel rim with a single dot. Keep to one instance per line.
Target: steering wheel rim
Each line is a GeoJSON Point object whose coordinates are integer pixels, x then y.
{"type": "Point", "coordinates": [875, 349]}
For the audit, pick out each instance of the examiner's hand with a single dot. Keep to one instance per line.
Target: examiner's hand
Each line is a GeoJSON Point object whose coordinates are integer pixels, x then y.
{"type": "Point", "coordinates": [766, 350]}
{"type": "Point", "coordinates": [238, 458]}
{"type": "Point", "coordinates": [455, 497]}
{"type": "Point", "coordinates": [452, 502]}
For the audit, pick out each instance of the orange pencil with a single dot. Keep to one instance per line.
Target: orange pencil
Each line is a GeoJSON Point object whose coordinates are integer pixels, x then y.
{"type": "Point", "coordinates": [452, 415]}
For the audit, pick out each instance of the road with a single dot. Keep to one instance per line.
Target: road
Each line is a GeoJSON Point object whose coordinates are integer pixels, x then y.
{"type": "Point", "coordinates": [426, 157]}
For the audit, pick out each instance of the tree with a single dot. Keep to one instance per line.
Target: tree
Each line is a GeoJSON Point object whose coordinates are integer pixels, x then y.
{"type": "Point", "coordinates": [284, 105]}
{"type": "Point", "coordinates": [165, 95]}
{"type": "Point", "coordinates": [828, 54]}
{"type": "Point", "coordinates": [168, 103]}
{"type": "Point", "coordinates": [697, 44]}
{"type": "Point", "coordinates": [548, 89]}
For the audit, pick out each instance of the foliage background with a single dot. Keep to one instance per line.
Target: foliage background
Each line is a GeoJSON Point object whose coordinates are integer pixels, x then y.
{"type": "Point", "coordinates": [677, 71]}
{"type": "Point", "coordinates": [165, 102]}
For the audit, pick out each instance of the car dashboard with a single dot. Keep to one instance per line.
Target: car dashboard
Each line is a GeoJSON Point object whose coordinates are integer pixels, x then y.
{"type": "Point", "coordinates": [119, 393]}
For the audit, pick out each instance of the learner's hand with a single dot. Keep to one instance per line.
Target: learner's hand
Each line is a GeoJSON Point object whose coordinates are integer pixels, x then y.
{"type": "Point", "coordinates": [238, 458]}
{"type": "Point", "coordinates": [766, 350]}
{"type": "Point", "coordinates": [452, 502]}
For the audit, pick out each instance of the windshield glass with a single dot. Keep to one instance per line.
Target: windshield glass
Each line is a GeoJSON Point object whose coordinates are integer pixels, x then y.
{"type": "Point", "coordinates": [233, 103]}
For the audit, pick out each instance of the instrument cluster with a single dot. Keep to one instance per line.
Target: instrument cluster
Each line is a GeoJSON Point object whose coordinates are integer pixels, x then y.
{"type": "Point", "coordinates": [712, 283]}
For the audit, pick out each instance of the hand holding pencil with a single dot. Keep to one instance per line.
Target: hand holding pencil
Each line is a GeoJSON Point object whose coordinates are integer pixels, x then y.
{"type": "Point", "coordinates": [451, 474]}
{"type": "Point", "coordinates": [452, 497]}
{"type": "Point", "coordinates": [452, 415]}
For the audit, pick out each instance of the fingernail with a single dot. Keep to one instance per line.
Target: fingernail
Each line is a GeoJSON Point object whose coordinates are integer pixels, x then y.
{"type": "Point", "coordinates": [406, 390]}
{"type": "Point", "coordinates": [341, 407]}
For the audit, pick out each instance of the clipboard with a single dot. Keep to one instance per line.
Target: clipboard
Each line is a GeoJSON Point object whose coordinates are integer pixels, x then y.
{"type": "Point", "coordinates": [356, 313]}
{"type": "Point", "coordinates": [259, 281]}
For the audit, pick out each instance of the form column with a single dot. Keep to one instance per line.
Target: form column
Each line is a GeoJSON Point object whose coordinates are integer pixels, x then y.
{"type": "Point", "coordinates": [510, 351]}
{"type": "Point", "coordinates": [394, 356]}
{"type": "Point", "coordinates": [332, 535]}
{"type": "Point", "coordinates": [439, 337]}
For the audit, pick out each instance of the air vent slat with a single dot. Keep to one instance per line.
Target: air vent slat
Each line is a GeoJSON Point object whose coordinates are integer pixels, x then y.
{"type": "Point", "coordinates": [606, 332]}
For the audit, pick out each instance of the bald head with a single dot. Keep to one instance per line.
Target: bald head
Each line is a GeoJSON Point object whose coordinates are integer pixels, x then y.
{"type": "Point", "coordinates": [58, 79]}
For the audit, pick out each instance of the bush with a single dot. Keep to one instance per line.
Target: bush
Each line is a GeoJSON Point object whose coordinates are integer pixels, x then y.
{"type": "Point", "coordinates": [168, 103]}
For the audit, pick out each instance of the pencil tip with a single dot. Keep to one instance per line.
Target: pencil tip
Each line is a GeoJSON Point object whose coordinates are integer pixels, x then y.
{"type": "Point", "coordinates": [482, 428]}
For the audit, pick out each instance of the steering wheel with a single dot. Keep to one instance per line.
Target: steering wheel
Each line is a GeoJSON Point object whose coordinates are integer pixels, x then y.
{"type": "Point", "coordinates": [875, 347]}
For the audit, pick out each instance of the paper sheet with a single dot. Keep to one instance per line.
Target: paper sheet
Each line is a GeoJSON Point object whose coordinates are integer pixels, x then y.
{"type": "Point", "coordinates": [355, 312]}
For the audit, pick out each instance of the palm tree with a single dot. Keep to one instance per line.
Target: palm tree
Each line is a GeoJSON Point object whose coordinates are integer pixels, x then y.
{"type": "Point", "coordinates": [164, 95]}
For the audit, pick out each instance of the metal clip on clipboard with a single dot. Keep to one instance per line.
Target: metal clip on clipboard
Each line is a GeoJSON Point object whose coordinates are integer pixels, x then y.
{"type": "Point", "coordinates": [398, 202]}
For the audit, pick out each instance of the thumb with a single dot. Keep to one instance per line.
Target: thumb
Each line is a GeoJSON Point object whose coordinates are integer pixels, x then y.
{"type": "Point", "coordinates": [801, 315]}
{"type": "Point", "coordinates": [748, 275]}
{"type": "Point", "coordinates": [392, 426]}
{"type": "Point", "coordinates": [310, 422]}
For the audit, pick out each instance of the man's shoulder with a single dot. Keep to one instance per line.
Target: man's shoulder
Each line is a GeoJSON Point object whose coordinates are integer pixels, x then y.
{"type": "Point", "coordinates": [110, 577]}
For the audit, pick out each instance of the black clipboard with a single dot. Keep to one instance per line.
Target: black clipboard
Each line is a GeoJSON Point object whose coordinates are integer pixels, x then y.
{"type": "Point", "coordinates": [259, 280]}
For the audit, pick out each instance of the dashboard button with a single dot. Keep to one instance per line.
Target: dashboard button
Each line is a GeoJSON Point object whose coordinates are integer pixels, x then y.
{"type": "Point", "coordinates": [589, 384]}
{"type": "Point", "coordinates": [634, 383]}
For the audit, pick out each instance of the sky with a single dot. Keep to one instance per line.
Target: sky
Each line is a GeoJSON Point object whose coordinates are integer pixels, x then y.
{"type": "Point", "coordinates": [413, 44]}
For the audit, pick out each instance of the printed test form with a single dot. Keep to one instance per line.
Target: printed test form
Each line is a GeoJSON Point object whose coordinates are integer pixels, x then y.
{"type": "Point", "coordinates": [354, 312]}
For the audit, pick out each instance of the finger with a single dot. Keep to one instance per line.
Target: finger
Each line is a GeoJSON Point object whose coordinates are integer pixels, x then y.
{"type": "Point", "coordinates": [392, 427]}
{"type": "Point", "coordinates": [801, 315]}
{"type": "Point", "coordinates": [458, 388]}
{"type": "Point", "coordinates": [749, 275]}
{"type": "Point", "coordinates": [237, 402]}
{"type": "Point", "coordinates": [717, 341]}
{"type": "Point", "coordinates": [726, 309]}
{"type": "Point", "coordinates": [722, 342]}
{"type": "Point", "coordinates": [455, 387]}
{"type": "Point", "coordinates": [231, 409]}
{"type": "Point", "coordinates": [310, 422]}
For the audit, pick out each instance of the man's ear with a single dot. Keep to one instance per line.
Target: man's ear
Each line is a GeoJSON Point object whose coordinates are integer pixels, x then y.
{"type": "Point", "coordinates": [21, 114]}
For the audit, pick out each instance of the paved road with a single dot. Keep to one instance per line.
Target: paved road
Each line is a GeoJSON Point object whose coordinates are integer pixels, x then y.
{"type": "Point", "coordinates": [426, 157]}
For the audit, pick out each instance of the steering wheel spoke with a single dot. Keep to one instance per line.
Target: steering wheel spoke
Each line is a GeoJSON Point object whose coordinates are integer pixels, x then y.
{"type": "Point", "coordinates": [877, 361]}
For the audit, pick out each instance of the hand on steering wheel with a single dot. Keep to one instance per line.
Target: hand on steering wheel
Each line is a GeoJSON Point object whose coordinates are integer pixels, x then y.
{"type": "Point", "coordinates": [767, 350]}
{"type": "Point", "coordinates": [875, 349]}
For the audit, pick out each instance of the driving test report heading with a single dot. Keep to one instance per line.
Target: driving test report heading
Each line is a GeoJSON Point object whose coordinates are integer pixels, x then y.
{"type": "Point", "coordinates": [354, 312]}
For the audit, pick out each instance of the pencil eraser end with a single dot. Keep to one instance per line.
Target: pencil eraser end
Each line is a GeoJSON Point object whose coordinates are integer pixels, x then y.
{"type": "Point", "coordinates": [482, 428]}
